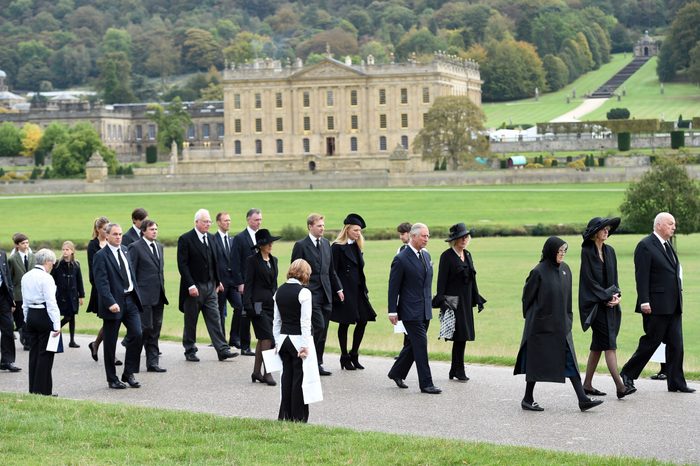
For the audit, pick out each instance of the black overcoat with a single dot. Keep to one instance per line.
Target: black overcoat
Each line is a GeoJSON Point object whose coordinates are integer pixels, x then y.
{"type": "Point", "coordinates": [458, 278]}
{"type": "Point", "coordinates": [597, 284]}
{"type": "Point", "coordinates": [260, 284]}
{"type": "Point", "coordinates": [548, 320]}
{"type": "Point", "coordinates": [350, 268]}
{"type": "Point", "coordinates": [69, 287]}
{"type": "Point", "coordinates": [92, 248]}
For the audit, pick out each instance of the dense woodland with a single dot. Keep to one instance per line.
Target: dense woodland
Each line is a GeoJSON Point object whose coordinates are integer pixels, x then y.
{"type": "Point", "coordinates": [127, 48]}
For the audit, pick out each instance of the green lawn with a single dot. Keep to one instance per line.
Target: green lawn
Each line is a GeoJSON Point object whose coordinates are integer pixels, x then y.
{"type": "Point", "coordinates": [553, 104]}
{"type": "Point", "coordinates": [40, 430]}
{"type": "Point", "coordinates": [644, 99]}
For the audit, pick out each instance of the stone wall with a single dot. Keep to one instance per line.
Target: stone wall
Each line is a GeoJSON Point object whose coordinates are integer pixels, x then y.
{"type": "Point", "coordinates": [588, 144]}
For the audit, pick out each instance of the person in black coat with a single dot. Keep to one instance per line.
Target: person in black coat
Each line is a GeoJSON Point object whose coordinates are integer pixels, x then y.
{"type": "Point", "coordinates": [356, 308]}
{"type": "Point", "coordinates": [547, 347]}
{"type": "Point", "coordinates": [457, 277]}
{"type": "Point", "coordinates": [599, 301]}
{"type": "Point", "coordinates": [260, 288]}
{"type": "Point", "coordinates": [69, 288]}
{"type": "Point", "coordinates": [134, 233]}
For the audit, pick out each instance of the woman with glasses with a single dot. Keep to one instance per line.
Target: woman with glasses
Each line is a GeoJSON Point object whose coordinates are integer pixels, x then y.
{"type": "Point", "coordinates": [547, 347]}
{"type": "Point", "coordinates": [599, 301]}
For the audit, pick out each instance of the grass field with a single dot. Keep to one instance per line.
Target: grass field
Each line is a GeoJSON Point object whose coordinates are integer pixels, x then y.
{"type": "Point", "coordinates": [44, 430]}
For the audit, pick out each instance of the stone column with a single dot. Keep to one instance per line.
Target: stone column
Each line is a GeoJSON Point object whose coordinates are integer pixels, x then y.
{"type": "Point", "coordinates": [96, 169]}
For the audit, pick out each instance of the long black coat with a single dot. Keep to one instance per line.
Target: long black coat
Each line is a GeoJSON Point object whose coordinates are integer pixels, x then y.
{"type": "Point", "coordinates": [548, 321]}
{"type": "Point", "coordinates": [597, 284]}
{"type": "Point", "coordinates": [458, 278]}
{"type": "Point", "coordinates": [260, 284]}
{"type": "Point", "coordinates": [69, 287]}
{"type": "Point", "coordinates": [92, 248]}
{"type": "Point", "coordinates": [350, 268]}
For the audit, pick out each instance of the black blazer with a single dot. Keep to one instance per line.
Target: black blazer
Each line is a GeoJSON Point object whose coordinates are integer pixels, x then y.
{"type": "Point", "coordinates": [149, 272]}
{"type": "Point", "coordinates": [657, 277]}
{"type": "Point", "coordinates": [194, 263]}
{"type": "Point", "coordinates": [260, 284]}
{"type": "Point", "coordinates": [324, 280]}
{"type": "Point", "coordinates": [130, 236]}
{"type": "Point", "coordinates": [5, 274]}
{"type": "Point", "coordinates": [224, 261]}
{"type": "Point", "coordinates": [349, 265]}
{"type": "Point", "coordinates": [242, 250]}
{"type": "Point", "coordinates": [69, 286]}
{"type": "Point", "coordinates": [108, 282]}
{"type": "Point", "coordinates": [410, 286]}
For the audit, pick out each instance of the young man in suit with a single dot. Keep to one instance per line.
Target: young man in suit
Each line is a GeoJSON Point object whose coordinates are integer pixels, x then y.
{"type": "Point", "coordinates": [199, 285]}
{"type": "Point", "coordinates": [7, 337]}
{"type": "Point", "coordinates": [243, 248]}
{"type": "Point", "coordinates": [223, 245]}
{"type": "Point", "coordinates": [118, 303]}
{"type": "Point", "coordinates": [148, 259]}
{"type": "Point", "coordinates": [657, 272]}
{"type": "Point", "coordinates": [323, 283]}
{"type": "Point", "coordinates": [20, 263]}
{"type": "Point", "coordinates": [410, 301]}
{"type": "Point", "coordinates": [134, 233]}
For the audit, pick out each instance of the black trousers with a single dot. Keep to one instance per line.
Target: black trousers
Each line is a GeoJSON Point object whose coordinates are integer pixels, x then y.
{"type": "Point", "coordinates": [151, 324]}
{"type": "Point", "coordinates": [239, 333]}
{"type": "Point", "coordinates": [292, 407]}
{"type": "Point", "coordinates": [415, 349]}
{"type": "Point", "coordinates": [7, 337]}
{"type": "Point", "coordinates": [660, 329]}
{"type": "Point", "coordinates": [131, 318]}
{"type": "Point", "coordinates": [37, 330]}
{"type": "Point", "coordinates": [208, 304]}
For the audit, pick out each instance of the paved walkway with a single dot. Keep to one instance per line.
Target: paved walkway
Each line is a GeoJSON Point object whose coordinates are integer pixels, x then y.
{"type": "Point", "coordinates": [651, 423]}
{"type": "Point", "coordinates": [586, 107]}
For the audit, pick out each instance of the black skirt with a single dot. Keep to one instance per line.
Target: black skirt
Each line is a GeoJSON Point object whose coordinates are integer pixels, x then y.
{"type": "Point", "coordinates": [603, 339]}
{"type": "Point", "coordinates": [262, 325]}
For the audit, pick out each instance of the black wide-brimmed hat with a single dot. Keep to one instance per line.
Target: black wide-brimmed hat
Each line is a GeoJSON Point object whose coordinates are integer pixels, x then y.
{"type": "Point", "coordinates": [458, 230]}
{"type": "Point", "coordinates": [354, 219]}
{"type": "Point", "coordinates": [598, 223]}
{"type": "Point", "coordinates": [263, 236]}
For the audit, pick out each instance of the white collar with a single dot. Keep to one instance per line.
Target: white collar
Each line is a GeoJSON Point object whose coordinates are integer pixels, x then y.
{"type": "Point", "coordinates": [663, 241]}
{"type": "Point", "coordinates": [313, 239]}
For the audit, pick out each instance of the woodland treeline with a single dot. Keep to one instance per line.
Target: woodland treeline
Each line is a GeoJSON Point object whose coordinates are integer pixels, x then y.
{"type": "Point", "coordinates": [119, 46]}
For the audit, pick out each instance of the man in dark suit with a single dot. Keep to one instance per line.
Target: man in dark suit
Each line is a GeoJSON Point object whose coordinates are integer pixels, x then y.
{"type": "Point", "coordinates": [323, 283]}
{"type": "Point", "coordinates": [7, 337]}
{"type": "Point", "coordinates": [199, 284]}
{"type": "Point", "coordinates": [658, 277]}
{"type": "Point", "coordinates": [147, 259]}
{"type": "Point", "coordinates": [243, 248]}
{"type": "Point", "coordinates": [134, 233]}
{"type": "Point", "coordinates": [410, 301]}
{"type": "Point", "coordinates": [223, 246]}
{"type": "Point", "coordinates": [118, 302]}
{"type": "Point", "coordinates": [19, 263]}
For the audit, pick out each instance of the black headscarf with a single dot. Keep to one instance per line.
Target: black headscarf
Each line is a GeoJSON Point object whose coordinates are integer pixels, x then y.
{"type": "Point", "coordinates": [551, 248]}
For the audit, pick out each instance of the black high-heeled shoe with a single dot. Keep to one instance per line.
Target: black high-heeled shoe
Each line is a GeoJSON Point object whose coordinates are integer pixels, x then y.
{"type": "Point", "coordinates": [269, 380]}
{"type": "Point", "coordinates": [257, 378]}
{"type": "Point", "coordinates": [354, 359]}
{"type": "Point", "coordinates": [459, 377]}
{"type": "Point", "coordinates": [345, 362]}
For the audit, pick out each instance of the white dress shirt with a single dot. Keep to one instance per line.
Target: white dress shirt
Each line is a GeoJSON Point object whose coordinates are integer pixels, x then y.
{"type": "Point", "coordinates": [117, 251]}
{"type": "Point", "coordinates": [39, 288]}
{"type": "Point", "coordinates": [251, 232]}
{"type": "Point", "coordinates": [299, 341]}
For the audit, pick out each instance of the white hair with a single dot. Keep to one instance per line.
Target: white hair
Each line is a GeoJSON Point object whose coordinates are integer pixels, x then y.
{"type": "Point", "coordinates": [42, 256]}
{"type": "Point", "coordinates": [201, 213]}
{"type": "Point", "coordinates": [660, 217]}
{"type": "Point", "coordinates": [416, 228]}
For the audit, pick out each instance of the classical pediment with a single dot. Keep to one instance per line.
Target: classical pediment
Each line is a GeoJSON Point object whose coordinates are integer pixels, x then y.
{"type": "Point", "coordinates": [328, 68]}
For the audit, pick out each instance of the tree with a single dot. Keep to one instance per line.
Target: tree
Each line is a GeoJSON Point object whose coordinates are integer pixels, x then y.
{"type": "Point", "coordinates": [115, 78]}
{"type": "Point", "coordinates": [70, 157]}
{"type": "Point", "coordinates": [172, 122]}
{"type": "Point", "coordinates": [694, 68]}
{"type": "Point", "coordinates": [556, 72]}
{"type": "Point", "coordinates": [420, 41]}
{"type": "Point", "coordinates": [55, 133]}
{"type": "Point", "coordinates": [453, 132]}
{"type": "Point", "coordinates": [684, 35]}
{"type": "Point", "coordinates": [10, 140]}
{"type": "Point", "coordinates": [200, 50]}
{"type": "Point", "coordinates": [70, 65]}
{"type": "Point", "coordinates": [116, 40]}
{"type": "Point", "coordinates": [513, 70]}
{"type": "Point", "coordinates": [665, 188]}
{"type": "Point", "coordinates": [30, 135]}
{"type": "Point", "coordinates": [341, 43]}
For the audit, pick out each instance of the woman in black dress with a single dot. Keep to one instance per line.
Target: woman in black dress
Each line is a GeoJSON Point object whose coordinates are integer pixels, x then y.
{"type": "Point", "coordinates": [457, 277]}
{"type": "Point", "coordinates": [355, 308]}
{"type": "Point", "coordinates": [260, 288]}
{"type": "Point", "coordinates": [547, 347]}
{"type": "Point", "coordinates": [98, 241]}
{"type": "Point", "coordinates": [293, 340]}
{"type": "Point", "coordinates": [599, 301]}
{"type": "Point", "coordinates": [69, 288]}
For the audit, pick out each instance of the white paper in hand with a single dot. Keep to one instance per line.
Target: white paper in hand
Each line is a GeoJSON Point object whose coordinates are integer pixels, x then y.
{"type": "Point", "coordinates": [399, 328]}
{"type": "Point", "coordinates": [52, 345]}
{"type": "Point", "coordinates": [272, 360]}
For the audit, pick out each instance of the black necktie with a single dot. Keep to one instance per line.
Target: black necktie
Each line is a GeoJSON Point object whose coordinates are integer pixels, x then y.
{"type": "Point", "coordinates": [204, 241]}
{"type": "Point", "coordinates": [26, 262]}
{"type": "Point", "coordinates": [318, 245]}
{"type": "Point", "coordinates": [422, 259]}
{"type": "Point", "coordinates": [122, 270]}
{"type": "Point", "coordinates": [669, 253]}
{"type": "Point", "coordinates": [153, 248]}
{"type": "Point", "coordinates": [226, 245]}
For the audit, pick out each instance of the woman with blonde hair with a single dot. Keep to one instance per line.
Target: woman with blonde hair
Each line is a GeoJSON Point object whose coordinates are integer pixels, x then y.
{"type": "Point", "coordinates": [69, 288]}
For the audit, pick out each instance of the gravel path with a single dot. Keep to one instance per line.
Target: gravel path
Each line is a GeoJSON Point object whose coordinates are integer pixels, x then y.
{"type": "Point", "coordinates": [586, 107]}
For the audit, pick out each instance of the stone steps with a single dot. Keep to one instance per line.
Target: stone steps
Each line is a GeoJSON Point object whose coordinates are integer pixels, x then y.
{"type": "Point", "coordinates": [608, 89]}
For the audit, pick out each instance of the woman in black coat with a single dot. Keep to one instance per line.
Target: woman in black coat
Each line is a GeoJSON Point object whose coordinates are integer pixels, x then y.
{"type": "Point", "coordinates": [599, 301]}
{"type": "Point", "coordinates": [98, 241]}
{"type": "Point", "coordinates": [457, 277]}
{"type": "Point", "coordinates": [355, 308]}
{"type": "Point", "coordinates": [69, 288]}
{"type": "Point", "coordinates": [547, 347]}
{"type": "Point", "coordinates": [259, 291]}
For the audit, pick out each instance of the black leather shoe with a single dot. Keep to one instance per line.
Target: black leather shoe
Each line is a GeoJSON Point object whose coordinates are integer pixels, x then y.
{"type": "Point", "coordinates": [432, 390]}
{"type": "Point", "coordinates": [628, 391]}
{"type": "Point", "coordinates": [93, 351]}
{"type": "Point", "coordinates": [685, 389]}
{"type": "Point", "coordinates": [10, 366]}
{"type": "Point", "coordinates": [322, 371]}
{"type": "Point", "coordinates": [191, 357]}
{"type": "Point", "coordinates": [659, 376]}
{"type": "Point", "coordinates": [531, 406]}
{"type": "Point", "coordinates": [227, 355]}
{"type": "Point", "coordinates": [117, 385]}
{"type": "Point", "coordinates": [247, 352]}
{"type": "Point", "coordinates": [460, 377]}
{"type": "Point", "coordinates": [156, 369]}
{"type": "Point", "coordinates": [235, 344]}
{"type": "Point", "coordinates": [131, 381]}
{"type": "Point", "coordinates": [399, 382]}
{"type": "Point", "coordinates": [117, 362]}
{"type": "Point", "coordinates": [627, 380]}
{"type": "Point", "coordinates": [73, 344]}
{"type": "Point", "coordinates": [594, 392]}
{"type": "Point", "coordinates": [586, 405]}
